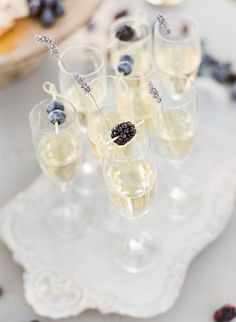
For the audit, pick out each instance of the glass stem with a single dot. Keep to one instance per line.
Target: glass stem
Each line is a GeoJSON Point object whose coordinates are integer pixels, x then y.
{"type": "Point", "coordinates": [137, 252]}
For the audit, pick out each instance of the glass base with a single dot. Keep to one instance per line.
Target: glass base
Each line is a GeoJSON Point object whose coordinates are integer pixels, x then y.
{"type": "Point", "coordinates": [182, 197]}
{"type": "Point", "coordinates": [137, 253]}
{"type": "Point", "coordinates": [70, 214]}
{"type": "Point", "coordinates": [69, 221]}
{"type": "Point", "coordinates": [86, 183]}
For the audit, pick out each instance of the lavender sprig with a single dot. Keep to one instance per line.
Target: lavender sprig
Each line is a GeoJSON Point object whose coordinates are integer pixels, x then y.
{"type": "Point", "coordinates": [50, 43]}
{"type": "Point", "coordinates": [154, 92]}
{"type": "Point", "coordinates": [82, 82]}
{"type": "Point", "coordinates": [163, 25]}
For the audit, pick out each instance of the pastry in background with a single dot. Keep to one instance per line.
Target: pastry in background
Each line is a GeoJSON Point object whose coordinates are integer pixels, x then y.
{"type": "Point", "coordinates": [10, 10]}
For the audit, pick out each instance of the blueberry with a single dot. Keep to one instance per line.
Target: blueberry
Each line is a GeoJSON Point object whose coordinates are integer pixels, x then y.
{"type": "Point", "coordinates": [58, 8]}
{"type": "Point", "coordinates": [54, 105]}
{"type": "Point", "coordinates": [47, 17]}
{"type": "Point", "coordinates": [221, 72]}
{"type": "Point", "coordinates": [124, 68]}
{"type": "Point", "coordinates": [34, 7]}
{"type": "Point", "coordinates": [209, 60]}
{"type": "Point", "coordinates": [127, 58]}
{"type": "Point", "coordinates": [57, 116]}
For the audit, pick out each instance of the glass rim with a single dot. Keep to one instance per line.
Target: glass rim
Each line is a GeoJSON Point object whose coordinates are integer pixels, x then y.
{"type": "Point", "coordinates": [193, 90]}
{"type": "Point", "coordinates": [45, 101]}
{"type": "Point", "coordinates": [111, 77]}
{"type": "Point", "coordinates": [131, 158]}
{"type": "Point", "coordinates": [95, 49]}
{"type": "Point", "coordinates": [169, 40]}
{"type": "Point", "coordinates": [129, 18]}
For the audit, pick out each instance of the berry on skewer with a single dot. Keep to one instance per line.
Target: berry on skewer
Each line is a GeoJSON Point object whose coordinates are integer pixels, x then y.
{"type": "Point", "coordinates": [225, 313]}
{"type": "Point", "coordinates": [55, 109]}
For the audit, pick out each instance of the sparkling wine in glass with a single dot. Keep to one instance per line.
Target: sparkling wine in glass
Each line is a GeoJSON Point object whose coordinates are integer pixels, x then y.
{"type": "Point", "coordinates": [178, 53]}
{"type": "Point", "coordinates": [89, 63]}
{"type": "Point", "coordinates": [176, 135]}
{"type": "Point", "coordinates": [136, 76]}
{"type": "Point", "coordinates": [130, 176]}
{"type": "Point", "coordinates": [129, 36]}
{"type": "Point", "coordinates": [59, 152]}
{"type": "Point", "coordinates": [113, 107]}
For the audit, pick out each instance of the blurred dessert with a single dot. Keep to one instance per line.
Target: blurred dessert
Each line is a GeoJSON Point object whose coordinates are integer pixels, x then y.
{"type": "Point", "coordinates": [10, 10]}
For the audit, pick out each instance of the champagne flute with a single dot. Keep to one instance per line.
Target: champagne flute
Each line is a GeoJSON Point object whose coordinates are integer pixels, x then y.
{"type": "Point", "coordinates": [130, 177]}
{"type": "Point", "coordinates": [58, 148]}
{"type": "Point", "coordinates": [178, 53]}
{"type": "Point", "coordinates": [129, 36]}
{"type": "Point", "coordinates": [143, 106]}
{"type": "Point", "coordinates": [176, 136]}
{"type": "Point", "coordinates": [89, 63]}
{"type": "Point", "coordinates": [113, 107]}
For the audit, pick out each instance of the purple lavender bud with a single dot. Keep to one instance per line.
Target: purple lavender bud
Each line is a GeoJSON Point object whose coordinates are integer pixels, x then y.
{"type": "Point", "coordinates": [154, 92]}
{"type": "Point", "coordinates": [82, 82]}
{"type": "Point", "coordinates": [49, 42]}
{"type": "Point", "coordinates": [163, 24]}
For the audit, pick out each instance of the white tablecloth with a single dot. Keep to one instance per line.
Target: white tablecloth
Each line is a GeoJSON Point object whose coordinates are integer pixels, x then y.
{"type": "Point", "coordinates": [211, 280]}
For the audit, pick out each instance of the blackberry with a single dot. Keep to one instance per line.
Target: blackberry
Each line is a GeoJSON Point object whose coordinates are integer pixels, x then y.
{"type": "Point", "coordinates": [57, 116]}
{"type": "Point", "coordinates": [126, 33]}
{"type": "Point", "coordinates": [231, 78]}
{"type": "Point", "coordinates": [124, 132]}
{"type": "Point", "coordinates": [225, 314]}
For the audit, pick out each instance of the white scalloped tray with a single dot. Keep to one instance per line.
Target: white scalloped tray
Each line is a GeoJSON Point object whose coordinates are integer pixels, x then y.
{"type": "Point", "coordinates": [64, 278]}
